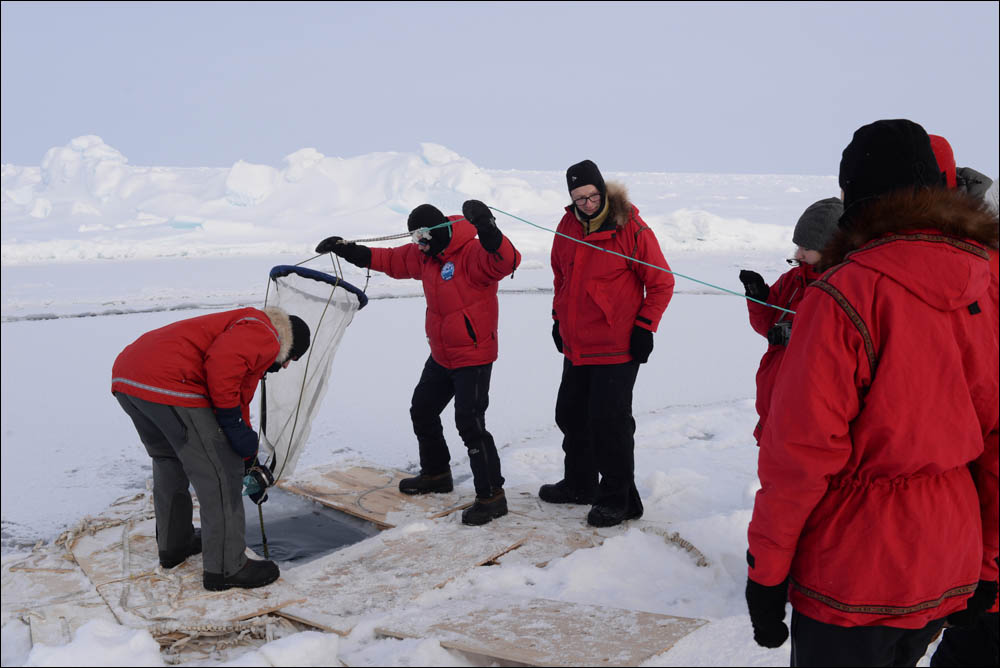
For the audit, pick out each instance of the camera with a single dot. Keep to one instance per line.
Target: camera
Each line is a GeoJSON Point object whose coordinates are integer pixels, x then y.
{"type": "Point", "coordinates": [779, 334]}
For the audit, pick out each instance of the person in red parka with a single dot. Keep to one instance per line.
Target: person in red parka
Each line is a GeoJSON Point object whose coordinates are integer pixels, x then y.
{"type": "Point", "coordinates": [977, 643]}
{"type": "Point", "coordinates": [812, 231]}
{"type": "Point", "coordinates": [460, 280]}
{"type": "Point", "coordinates": [877, 512]}
{"type": "Point", "coordinates": [187, 387]}
{"type": "Point", "coordinates": [605, 308]}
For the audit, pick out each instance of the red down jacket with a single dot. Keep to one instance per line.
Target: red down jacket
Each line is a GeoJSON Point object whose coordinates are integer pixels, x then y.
{"type": "Point", "coordinates": [213, 360]}
{"type": "Point", "coordinates": [787, 292]}
{"type": "Point", "coordinates": [879, 483]}
{"type": "Point", "coordinates": [460, 285]}
{"type": "Point", "coordinates": [598, 296]}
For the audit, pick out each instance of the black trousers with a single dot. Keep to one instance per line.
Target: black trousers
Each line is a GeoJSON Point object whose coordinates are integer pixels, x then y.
{"type": "Point", "coordinates": [594, 413]}
{"type": "Point", "coordinates": [818, 644]}
{"type": "Point", "coordinates": [470, 387]}
{"type": "Point", "coordinates": [978, 645]}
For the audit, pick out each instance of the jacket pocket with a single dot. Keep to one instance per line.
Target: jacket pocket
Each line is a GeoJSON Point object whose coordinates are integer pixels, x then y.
{"type": "Point", "coordinates": [470, 329]}
{"type": "Point", "coordinates": [598, 294]}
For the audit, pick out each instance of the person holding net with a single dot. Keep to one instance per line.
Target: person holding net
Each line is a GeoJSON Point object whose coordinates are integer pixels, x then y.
{"type": "Point", "coordinates": [460, 278]}
{"type": "Point", "coordinates": [187, 388]}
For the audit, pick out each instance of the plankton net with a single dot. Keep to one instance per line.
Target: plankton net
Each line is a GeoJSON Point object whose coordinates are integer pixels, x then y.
{"type": "Point", "coordinates": [291, 398]}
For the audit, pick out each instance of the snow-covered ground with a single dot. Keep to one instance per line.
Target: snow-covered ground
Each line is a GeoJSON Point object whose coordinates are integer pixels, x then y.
{"type": "Point", "coordinates": [96, 251]}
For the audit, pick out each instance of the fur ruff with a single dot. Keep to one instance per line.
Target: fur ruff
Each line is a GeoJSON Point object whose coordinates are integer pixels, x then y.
{"type": "Point", "coordinates": [950, 212]}
{"type": "Point", "coordinates": [283, 325]}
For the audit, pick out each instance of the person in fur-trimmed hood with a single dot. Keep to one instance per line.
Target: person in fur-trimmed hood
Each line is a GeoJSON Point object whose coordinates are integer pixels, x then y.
{"type": "Point", "coordinates": [187, 387]}
{"type": "Point", "coordinates": [605, 309]}
{"type": "Point", "coordinates": [877, 513]}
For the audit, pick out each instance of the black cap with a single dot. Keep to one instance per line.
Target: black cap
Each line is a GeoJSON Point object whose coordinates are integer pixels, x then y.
{"type": "Point", "coordinates": [585, 173]}
{"type": "Point", "coordinates": [300, 337]}
{"type": "Point", "coordinates": [425, 215]}
{"type": "Point", "coordinates": [885, 156]}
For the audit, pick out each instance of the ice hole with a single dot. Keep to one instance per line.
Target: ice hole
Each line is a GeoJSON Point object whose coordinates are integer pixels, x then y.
{"type": "Point", "coordinates": [299, 530]}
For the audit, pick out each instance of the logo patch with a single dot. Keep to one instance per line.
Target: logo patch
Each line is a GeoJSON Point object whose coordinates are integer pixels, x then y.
{"type": "Point", "coordinates": [448, 271]}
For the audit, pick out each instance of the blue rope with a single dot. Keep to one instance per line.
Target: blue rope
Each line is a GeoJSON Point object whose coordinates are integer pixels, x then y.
{"type": "Point", "coordinates": [605, 250]}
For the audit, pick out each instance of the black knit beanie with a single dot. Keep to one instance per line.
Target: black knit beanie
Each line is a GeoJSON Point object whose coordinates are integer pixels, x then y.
{"type": "Point", "coordinates": [885, 156]}
{"type": "Point", "coordinates": [427, 215]}
{"type": "Point", "coordinates": [300, 337]}
{"type": "Point", "coordinates": [585, 173]}
{"type": "Point", "coordinates": [817, 224]}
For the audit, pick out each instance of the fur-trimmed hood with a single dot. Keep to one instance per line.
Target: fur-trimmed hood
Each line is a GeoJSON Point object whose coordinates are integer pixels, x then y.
{"type": "Point", "coordinates": [921, 240]}
{"type": "Point", "coordinates": [283, 325]}
{"type": "Point", "coordinates": [619, 206]}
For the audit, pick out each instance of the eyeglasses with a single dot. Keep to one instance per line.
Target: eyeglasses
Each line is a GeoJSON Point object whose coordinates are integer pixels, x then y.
{"type": "Point", "coordinates": [593, 199]}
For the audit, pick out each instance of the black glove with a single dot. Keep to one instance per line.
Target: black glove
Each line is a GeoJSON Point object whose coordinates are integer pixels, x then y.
{"type": "Point", "coordinates": [241, 437]}
{"type": "Point", "coordinates": [754, 285]}
{"type": "Point", "coordinates": [359, 256]}
{"type": "Point", "coordinates": [257, 478]}
{"type": "Point", "coordinates": [780, 333]}
{"type": "Point", "coordinates": [480, 215]}
{"type": "Point", "coordinates": [981, 601]}
{"type": "Point", "coordinates": [767, 612]}
{"type": "Point", "coordinates": [641, 344]}
{"type": "Point", "coordinates": [555, 335]}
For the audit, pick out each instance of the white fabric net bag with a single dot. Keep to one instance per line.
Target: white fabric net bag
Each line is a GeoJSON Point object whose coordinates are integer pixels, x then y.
{"type": "Point", "coordinates": [291, 397]}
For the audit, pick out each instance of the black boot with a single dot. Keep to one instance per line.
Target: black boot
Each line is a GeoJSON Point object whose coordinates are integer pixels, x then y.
{"type": "Point", "coordinates": [427, 484]}
{"type": "Point", "coordinates": [485, 510]}
{"type": "Point", "coordinates": [608, 516]}
{"type": "Point", "coordinates": [171, 559]}
{"type": "Point", "coordinates": [255, 573]}
{"type": "Point", "coordinates": [561, 492]}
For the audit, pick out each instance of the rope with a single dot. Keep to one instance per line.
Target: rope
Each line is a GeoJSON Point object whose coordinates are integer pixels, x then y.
{"type": "Point", "coordinates": [630, 259]}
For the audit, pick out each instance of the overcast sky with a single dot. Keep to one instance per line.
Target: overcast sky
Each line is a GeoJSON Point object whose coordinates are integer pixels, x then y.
{"type": "Point", "coordinates": [677, 87]}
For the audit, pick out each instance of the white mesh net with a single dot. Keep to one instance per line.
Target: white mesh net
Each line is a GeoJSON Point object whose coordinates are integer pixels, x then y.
{"type": "Point", "coordinates": [291, 397]}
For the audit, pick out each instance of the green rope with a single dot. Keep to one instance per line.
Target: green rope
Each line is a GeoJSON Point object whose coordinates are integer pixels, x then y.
{"type": "Point", "coordinates": [630, 259]}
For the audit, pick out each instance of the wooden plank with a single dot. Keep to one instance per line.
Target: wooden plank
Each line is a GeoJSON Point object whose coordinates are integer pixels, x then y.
{"type": "Point", "coordinates": [371, 493]}
{"type": "Point", "coordinates": [542, 632]}
{"type": "Point", "coordinates": [123, 563]}
{"type": "Point", "coordinates": [389, 570]}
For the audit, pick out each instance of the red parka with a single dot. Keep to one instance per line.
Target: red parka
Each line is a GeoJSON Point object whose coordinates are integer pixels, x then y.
{"type": "Point", "coordinates": [787, 292]}
{"type": "Point", "coordinates": [460, 285]}
{"type": "Point", "coordinates": [600, 297]}
{"type": "Point", "coordinates": [878, 462]}
{"type": "Point", "coordinates": [213, 360]}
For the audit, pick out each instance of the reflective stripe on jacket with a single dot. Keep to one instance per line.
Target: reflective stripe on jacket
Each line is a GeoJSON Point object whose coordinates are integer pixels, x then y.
{"type": "Point", "coordinates": [212, 360]}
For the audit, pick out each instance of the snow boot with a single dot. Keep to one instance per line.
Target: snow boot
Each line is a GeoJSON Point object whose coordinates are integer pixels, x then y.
{"type": "Point", "coordinates": [485, 510]}
{"type": "Point", "coordinates": [171, 559]}
{"type": "Point", "coordinates": [427, 484]}
{"type": "Point", "coordinates": [255, 573]}
{"type": "Point", "coordinates": [561, 492]}
{"type": "Point", "coordinates": [606, 516]}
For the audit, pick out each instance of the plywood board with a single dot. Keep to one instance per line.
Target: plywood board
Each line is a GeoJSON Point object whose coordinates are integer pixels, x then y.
{"type": "Point", "coordinates": [391, 569]}
{"type": "Point", "coordinates": [372, 493]}
{"type": "Point", "coordinates": [123, 564]}
{"type": "Point", "coordinates": [542, 632]}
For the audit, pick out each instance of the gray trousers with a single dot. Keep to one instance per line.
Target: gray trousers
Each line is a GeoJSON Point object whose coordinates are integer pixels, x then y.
{"type": "Point", "coordinates": [189, 448]}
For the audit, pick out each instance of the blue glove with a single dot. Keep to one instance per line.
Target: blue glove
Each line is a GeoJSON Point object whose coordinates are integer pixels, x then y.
{"type": "Point", "coordinates": [241, 437]}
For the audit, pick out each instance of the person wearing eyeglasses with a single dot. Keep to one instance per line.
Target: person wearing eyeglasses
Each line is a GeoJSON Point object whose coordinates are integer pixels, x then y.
{"type": "Point", "coordinates": [460, 279]}
{"type": "Point", "coordinates": [813, 230]}
{"type": "Point", "coordinates": [187, 388]}
{"type": "Point", "coordinates": [605, 308]}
